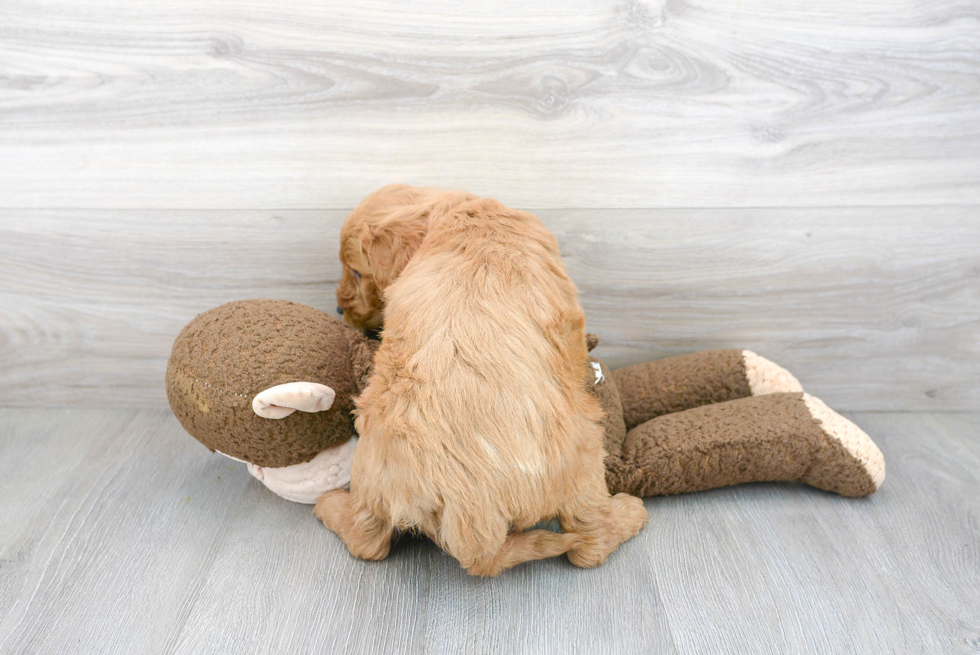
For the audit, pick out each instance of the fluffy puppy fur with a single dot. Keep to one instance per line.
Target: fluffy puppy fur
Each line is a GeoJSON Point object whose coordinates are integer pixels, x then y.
{"type": "Point", "coordinates": [376, 242]}
{"type": "Point", "coordinates": [476, 423]}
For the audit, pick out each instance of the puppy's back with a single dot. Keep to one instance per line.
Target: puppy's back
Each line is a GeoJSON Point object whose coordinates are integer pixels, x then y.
{"type": "Point", "coordinates": [477, 401]}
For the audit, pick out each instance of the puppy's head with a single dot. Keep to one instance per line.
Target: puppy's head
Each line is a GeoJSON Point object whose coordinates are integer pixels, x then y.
{"type": "Point", "coordinates": [377, 240]}
{"type": "Point", "coordinates": [358, 296]}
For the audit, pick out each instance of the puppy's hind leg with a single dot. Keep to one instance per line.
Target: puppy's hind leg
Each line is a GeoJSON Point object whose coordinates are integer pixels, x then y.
{"type": "Point", "coordinates": [602, 523]}
{"type": "Point", "coordinates": [366, 534]}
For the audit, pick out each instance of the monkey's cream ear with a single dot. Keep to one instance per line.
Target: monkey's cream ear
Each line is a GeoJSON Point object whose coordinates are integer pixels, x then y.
{"type": "Point", "coordinates": [283, 399]}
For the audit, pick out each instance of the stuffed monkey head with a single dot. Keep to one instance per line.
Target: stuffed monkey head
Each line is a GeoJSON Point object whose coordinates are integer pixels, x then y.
{"type": "Point", "coordinates": [235, 367]}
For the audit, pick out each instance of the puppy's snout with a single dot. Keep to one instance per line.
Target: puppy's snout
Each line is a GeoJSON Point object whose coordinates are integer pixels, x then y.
{"type": "Point", "coordinates": [340, 310]}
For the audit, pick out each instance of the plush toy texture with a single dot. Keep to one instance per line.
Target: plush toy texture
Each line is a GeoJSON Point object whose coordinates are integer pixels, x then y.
{"type": "Point", "coordinates": [687, 423]}
{"type": "Point", "coordinates": [721, 417]}
{"type": "Point", "coordinates": [228, 355]}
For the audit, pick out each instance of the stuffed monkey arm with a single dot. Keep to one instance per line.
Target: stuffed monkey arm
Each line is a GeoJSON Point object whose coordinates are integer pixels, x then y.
{"type": "Point", "coordinates": [775, 437]}
{"type": "Point", "coordinates": [307, 481]}
{"type": "Point", "coordinates": [675, 384]}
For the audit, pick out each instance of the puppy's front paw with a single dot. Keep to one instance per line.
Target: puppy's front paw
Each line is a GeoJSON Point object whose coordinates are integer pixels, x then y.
{"type": "Point", "coordinates": [333, 508]}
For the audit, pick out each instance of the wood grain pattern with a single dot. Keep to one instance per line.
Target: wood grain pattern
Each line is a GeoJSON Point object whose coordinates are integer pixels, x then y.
{"type": "Point", "coordinates": [120, 533]}
{"type": "Point", "coordinates": [801, 179]}
{"type": "Point", "coordinates": [931, 570]}
{"type": "Point", "coordinates": [654, 103]}
{"type": "Point", "coordinates": [110, 557]}
{"type": "Point", "coordinates": [871, 308]}
{"type": "Point", "coordinates": [893, 573]}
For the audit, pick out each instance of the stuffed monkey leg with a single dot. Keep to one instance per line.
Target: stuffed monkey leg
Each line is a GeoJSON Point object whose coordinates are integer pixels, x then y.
{"type": "Point", "coordinates": [683, 382]}
{"type": "Point", "coordinates": [776, 437]}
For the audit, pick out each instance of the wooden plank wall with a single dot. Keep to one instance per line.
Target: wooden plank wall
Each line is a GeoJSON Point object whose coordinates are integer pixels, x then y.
{"type": "Point", "coordinates": [800, 179]}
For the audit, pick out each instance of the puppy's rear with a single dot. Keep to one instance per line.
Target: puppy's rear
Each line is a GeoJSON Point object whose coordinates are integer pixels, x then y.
{"type": "Point", "coordinates": [476, 423]}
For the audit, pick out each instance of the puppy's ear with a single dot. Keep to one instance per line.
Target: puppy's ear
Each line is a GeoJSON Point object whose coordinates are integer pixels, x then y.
{"type": "Point", "coordinates": [390, 244]}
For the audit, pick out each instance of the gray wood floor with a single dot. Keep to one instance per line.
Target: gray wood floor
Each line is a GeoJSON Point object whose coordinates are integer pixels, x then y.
{"type": "Point", "coordinates": [119, 533]}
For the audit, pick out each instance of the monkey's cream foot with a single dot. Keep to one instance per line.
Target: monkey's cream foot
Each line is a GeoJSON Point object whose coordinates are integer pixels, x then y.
{"type": "Point", "coordinates": [848, 462]}
{"type": "Point", "coordinates": [765, 376]}
{"type": "Point", "coordinates": [772, 437]}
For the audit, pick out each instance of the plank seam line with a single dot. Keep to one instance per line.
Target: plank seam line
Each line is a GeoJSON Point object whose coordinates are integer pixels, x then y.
{"type": "Point", "coordinates": [527, 208]}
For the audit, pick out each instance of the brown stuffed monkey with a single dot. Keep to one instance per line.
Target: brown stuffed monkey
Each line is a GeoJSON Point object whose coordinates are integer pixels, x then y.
{"type": "Point", "coordinates": [271, 383]}
{"type": "Point", "coordinates": [721, 417]}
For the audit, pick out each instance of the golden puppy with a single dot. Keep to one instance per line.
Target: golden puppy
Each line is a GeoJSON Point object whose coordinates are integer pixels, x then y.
{"type": "Point", "coordinates": [476, 423]}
